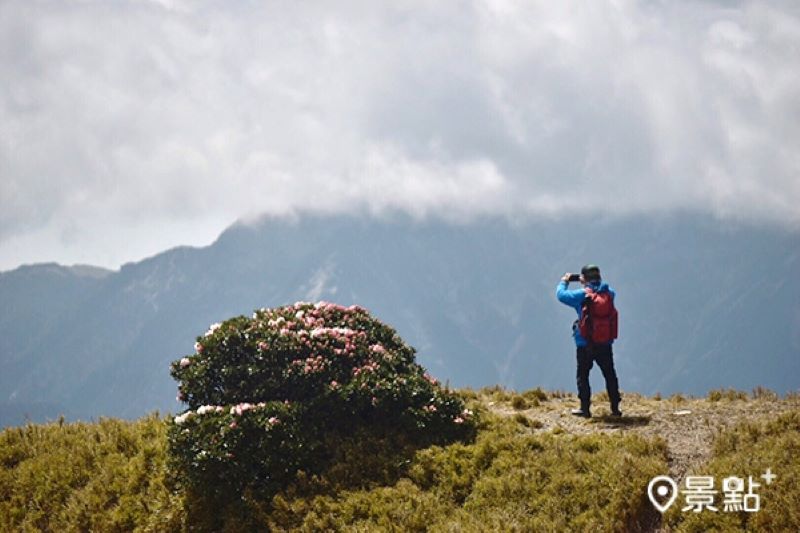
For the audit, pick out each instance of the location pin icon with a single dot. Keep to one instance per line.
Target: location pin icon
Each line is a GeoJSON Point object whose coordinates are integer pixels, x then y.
{"type": "Point", "coordinates": [662, 488]}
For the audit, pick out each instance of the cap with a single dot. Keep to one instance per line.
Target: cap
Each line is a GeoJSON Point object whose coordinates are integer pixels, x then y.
{"type": "Point", "coordinates": [591, 272]}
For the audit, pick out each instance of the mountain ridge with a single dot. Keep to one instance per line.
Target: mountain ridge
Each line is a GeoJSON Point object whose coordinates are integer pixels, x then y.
{"type": "Point", "coordinates": [703, 305]}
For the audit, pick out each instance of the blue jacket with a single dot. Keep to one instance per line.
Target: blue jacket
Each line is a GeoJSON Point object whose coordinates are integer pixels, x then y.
{"type": "Point", "coordinates": [575, 299]}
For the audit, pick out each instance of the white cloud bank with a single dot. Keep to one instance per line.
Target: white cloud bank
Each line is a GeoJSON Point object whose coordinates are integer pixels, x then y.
{"type": "Point", "coordinates": [130, 126]}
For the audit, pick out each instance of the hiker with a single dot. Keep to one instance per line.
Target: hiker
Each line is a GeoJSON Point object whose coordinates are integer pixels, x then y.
{"type": "Point", "coordinates": [594, 332]}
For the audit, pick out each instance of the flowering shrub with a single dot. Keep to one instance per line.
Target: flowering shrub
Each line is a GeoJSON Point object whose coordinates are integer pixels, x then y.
{"type": "Point", "coordinates": [264, 394]}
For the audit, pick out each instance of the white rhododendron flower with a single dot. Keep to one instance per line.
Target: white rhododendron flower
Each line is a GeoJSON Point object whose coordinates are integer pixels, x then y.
{"type": "Point", "coordinates": [180, 419]}
{"type": "Point", "coordinates": [214, 327]}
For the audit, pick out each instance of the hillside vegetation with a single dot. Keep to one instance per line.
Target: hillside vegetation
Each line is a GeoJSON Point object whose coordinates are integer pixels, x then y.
{"type": "Point", "coordinates": [530, 467]}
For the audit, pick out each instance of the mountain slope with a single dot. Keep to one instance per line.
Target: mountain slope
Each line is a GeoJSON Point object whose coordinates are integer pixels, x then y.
{"type": "Point", "coordinates": [702, 305]}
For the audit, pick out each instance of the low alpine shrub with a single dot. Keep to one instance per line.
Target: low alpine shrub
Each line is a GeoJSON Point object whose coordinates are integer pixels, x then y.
{"type": "Point", "coordinates": [268, 394]}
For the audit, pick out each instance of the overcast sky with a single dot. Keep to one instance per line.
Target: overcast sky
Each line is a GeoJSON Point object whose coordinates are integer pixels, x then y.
{"type": "Point", "coordinates": [131, 126]}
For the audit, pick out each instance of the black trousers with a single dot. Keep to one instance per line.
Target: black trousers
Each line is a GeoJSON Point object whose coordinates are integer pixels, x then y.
{"type": "Point", "coordinates": [603, 354]}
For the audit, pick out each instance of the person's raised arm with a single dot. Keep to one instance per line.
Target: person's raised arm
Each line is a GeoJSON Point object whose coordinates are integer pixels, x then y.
{"type": "Point", "coordinates": [566, 296]}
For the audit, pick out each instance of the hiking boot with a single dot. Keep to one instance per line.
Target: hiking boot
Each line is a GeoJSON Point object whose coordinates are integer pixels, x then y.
{"type": "Point", "coordinates": [582, 413]}
{"type": "Point", "coordinates": [615, 411]}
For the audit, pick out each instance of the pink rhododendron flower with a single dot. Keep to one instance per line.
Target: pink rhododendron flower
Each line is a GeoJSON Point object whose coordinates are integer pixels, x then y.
{"type": "Point", "coordinates": [273, 420]}
{"type": "Point", "coordinates": [458, 420]}
{"type": "Point", "coordinates": [242, 408]}
{"type": "Point", "coordinates": [198, 347]}
{"type": "Point", "coordinates": [263, 346]}
{"type": "Point", "coordinates": [185, 362]}
{"type": "Point", "coordinates": [233, 425]}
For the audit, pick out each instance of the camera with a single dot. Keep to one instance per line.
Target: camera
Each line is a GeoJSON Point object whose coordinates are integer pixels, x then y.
{"type": "Point", "coordinates": [574, 277]}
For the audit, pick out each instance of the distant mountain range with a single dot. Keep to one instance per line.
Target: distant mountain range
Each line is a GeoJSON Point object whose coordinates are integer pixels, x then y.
{"type": "Point", "coordinates": [703, 304]}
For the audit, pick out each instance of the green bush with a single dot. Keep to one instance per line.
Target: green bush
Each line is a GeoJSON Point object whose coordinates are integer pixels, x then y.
{"type": "Point", "coordinates": [266, 394]}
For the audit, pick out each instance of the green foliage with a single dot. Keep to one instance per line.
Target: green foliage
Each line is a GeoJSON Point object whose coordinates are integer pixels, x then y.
{"type": "Point", "coordinates": [748, 450]}
{"type": "Point", "coordinates": [507, 480]}
{"type": "Point", "coordinates": [280, 465]}
{"type": "Point", "coordinates": [268, 394]}
{"type": "Point", "coordinates": [106, 476]}
{"type": "Point", "coordinates": [112, 476]}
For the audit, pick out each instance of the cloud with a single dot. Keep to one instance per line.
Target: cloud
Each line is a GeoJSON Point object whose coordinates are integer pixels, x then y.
{"type": "Point", "coordinates": [129, 126]}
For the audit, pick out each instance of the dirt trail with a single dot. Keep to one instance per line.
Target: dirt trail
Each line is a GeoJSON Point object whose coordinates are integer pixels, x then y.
{"type": "Point", "coordinates": [687, 425]}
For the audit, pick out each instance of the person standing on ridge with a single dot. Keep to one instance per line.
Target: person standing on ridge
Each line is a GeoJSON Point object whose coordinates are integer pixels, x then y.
{"type": "Point", "coordinates": [594, 333]}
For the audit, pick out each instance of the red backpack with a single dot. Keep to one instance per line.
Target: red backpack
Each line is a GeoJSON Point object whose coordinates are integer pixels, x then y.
{"type": "Point", "coordinates": [598, 322]}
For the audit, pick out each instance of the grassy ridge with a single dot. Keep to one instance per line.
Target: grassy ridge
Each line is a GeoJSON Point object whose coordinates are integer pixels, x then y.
{"type": "Point", "coordinates": [112, 476]}
{"type": "Point", "coordinates": [105, 476]}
